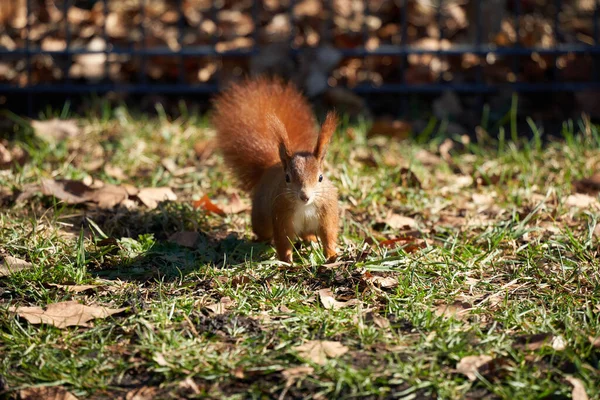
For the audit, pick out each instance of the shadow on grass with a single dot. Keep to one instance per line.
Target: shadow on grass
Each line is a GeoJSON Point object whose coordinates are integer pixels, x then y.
{"type": "Point", "coordinates": [137, 245]}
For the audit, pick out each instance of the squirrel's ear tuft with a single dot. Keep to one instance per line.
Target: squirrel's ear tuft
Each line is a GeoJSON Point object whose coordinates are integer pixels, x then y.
{"type": "Point", "coordinates": [327, 130]}
{"type": "Point", "coordinates": [276, 127]}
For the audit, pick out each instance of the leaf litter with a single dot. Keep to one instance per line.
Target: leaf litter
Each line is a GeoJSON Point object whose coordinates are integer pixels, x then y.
{"type": "Point", "coordinates": [329, 302]}
{"type": "Point", "coordinates": [10, 265]}
{"type": "Point", "coordinates": [105, 196]}
{"type": "Point", "coordinates": [319, 351]}
{"type": "Point", "coordinates": [65, 314]}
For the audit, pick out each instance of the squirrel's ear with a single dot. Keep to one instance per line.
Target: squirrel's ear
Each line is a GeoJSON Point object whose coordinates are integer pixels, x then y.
{"type": "Point", "coordinates": [276, 127]}
{"type": "Point", "coordinates": [327, 130]}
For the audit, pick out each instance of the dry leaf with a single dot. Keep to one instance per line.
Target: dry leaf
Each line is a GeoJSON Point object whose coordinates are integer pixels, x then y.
{"type": "Point", "coordinates": [427, 158]}
{"type": "Point", "coordinates": [409, 244]}
{"type": "Point", "coordinates": [578, 392]}
{"type": "Point", "coordinates": [318, 351]}
{"type": "Point", "coordinates": [581, 200]}
{"type": "Point", "coordinates": [185, 238]}
{"type": "Point", "coordinates": [55, 129]}
{"type": "Point", "coordinates": [458, 310]}
{"type": "Point", "coordinates": [204, 149]}
{"type": "Point", "coordinates": [10, 265]}
{"type": "Point", "coordinates": [143, 393]}
{"type": "Point", "coordinates": [222, 306]}
{"type": "Point", "coordinates": [74, 288]}
{"type": "Point", "coordinates": [108, 196]}
{"type": "Point", "coordinates": [559, 343]}
{"type": "Point", "coordinates": [286, 310]}
{"type": "Point", "coordinates": [160, 359]}
{"type": "Point", "coordinates": [329, 302]}
{"type": "Point", "coordinates": [46, 393]}
{"type": "Point", "coordinates": [378, 320]}
{"type": "Point", "coordinates": [595, 341]}
{"type": "Point", "coordinates": [386, 282]}
{"type": "Point", "coordinates": [470, 365]}
{"type": "Point", "coordinates": [67, 313]}
{"type": "Point", "coordinates": [71, 192]}
{"type": "Point", "coordinates": [291, 375]}
{"type": "Point", "coordinates": [152, 196]}
{"type": "Point", "coordinates": [533, 342]}
{"type": "Point", "coordinates": [482, 199]}
{"type": "Point", "coordinates": [235, 205]}
{"type": "Point", "coordinates": [208, 205]}
{"type": "Point", "coordinates": [189, 384]}
{"type": "Point", "coordinates": [115, 172]}
{"type": "Point", "coordinates": [396, 221]}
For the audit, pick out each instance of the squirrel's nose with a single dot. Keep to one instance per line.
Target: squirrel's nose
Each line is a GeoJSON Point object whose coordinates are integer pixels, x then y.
{"type": "Point", "coordinates": [304, 197]}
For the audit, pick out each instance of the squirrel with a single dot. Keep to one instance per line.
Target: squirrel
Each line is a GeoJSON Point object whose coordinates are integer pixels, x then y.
{"type": "Point", "coordinates": [268, 136]}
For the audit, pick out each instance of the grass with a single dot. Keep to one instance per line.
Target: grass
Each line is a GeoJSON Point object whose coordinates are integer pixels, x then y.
{"type": "Point", "coordinates": [497, 240]}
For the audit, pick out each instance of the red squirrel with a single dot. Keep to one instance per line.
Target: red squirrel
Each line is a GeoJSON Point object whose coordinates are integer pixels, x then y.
{"type": "Point", "coordinates": [268, 136]}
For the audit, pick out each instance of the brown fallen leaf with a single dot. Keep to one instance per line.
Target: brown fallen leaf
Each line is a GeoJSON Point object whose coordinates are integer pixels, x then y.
{"type": "Point", "coordinates": [409, 244]}
{"type": "Point", "coordinates": [11, 156]}
{"type": "Point", "coordinates": [427, 158]}
{"type": "Point", "coordinates": [291, 375]}
{"type": "Point", "coordinates": [189, 385]}
{"type": "Point", "coordinates": [235, 205]}
{"type": "Point", "coordinates": [143, 393]}
{"type": "Point", "coordinates": [10, 265]}
{"type": "Point", "coordinates": [150, 197]}
{"type": "Point", "coordinates": [64, 314]}
{"type": "Point", "coordinates": [223, 305]}
{"type": "Point", "coordinates": [595, 341]}
{"type": "Point", "coordinates": [559, 343]}
{"type": "Point", "coordinates": [408, 179]}
{"type": "Point", "coordinates": [318, 351]}
{"type": "Point", "coordinates": [108, 196]}
{"type": "Point", "coordinates": [578, 392]}
{"type": "Point", "coordinates": [46, 393]}
{"type": "Point", "coordinates": [470, 365]}
{"type": "Point", "coordinates": [580, 200]}
{"type": "Point", "coordinates": [69, 191]}
{"type": "Point", "coordinates": [208, 205]}
{"type": "Point", "coordinates": [185, 238]}
{"type": "Point", "coordinates": [458, 310]}
{"type": "Point", "coordinates": [386, 282]}
{"type": "Point", "coordinates": [378, 320]}
{"type": "Point", "coordinates": [115, 172]}
{"type": "Point", "coordinates": [204, 149]}
{"type": "Point", "coordinates": [55, 129]}
{"type": "Point", "coordinates": [396, 221]}
{"type": "Point", "coordinates": [329, 302]}
{"type": "Point", "coordinates": [74, 288]}
{"type": "Point", "coordinates": [76, 192]}
{"type": "Point", "coordinates": [533, 342]}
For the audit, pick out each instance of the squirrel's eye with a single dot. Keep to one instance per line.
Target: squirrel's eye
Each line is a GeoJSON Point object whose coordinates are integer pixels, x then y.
{"type": "Point", "coordinates": [320, 178]}
{"type": "Point", "coordinates": [287, 178]}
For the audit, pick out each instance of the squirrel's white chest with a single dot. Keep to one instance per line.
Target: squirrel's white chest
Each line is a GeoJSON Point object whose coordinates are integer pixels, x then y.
{"type": "Point", "coordinates": [306, 219]}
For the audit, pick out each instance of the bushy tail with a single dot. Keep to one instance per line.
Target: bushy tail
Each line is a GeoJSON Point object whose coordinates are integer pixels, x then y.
{"type": "Point", "coordinates": [240, 117]}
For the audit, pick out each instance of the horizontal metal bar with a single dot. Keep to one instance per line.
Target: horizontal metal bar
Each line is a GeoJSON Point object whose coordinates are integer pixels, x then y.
{"type": "Point", "coordinates": [197, 51]}
{"type": "Point", "coordinates": [387, 88]}
{"type": "Point", "coordinates": [358, 52]}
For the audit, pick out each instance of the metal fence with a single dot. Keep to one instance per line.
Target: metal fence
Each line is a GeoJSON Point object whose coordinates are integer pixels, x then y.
{"type": "Point", "coordinates": [24, 54]}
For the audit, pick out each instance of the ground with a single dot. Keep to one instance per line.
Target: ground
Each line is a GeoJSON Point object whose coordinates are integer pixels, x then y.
{"type": "Point", "coordinates": [468, 268]}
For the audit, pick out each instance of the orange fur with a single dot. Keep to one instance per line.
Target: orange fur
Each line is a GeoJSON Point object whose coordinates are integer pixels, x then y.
{"type": "Point", "coordinates": [267, 134]}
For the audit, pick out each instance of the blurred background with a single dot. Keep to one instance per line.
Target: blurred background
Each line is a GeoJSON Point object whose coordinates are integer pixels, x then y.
{"type": "Point", "coordinates": [405, 60]}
